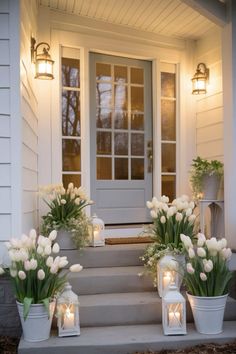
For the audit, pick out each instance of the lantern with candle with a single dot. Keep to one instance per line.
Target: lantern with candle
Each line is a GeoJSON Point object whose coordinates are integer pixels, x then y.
{"type": "Point", "coordinates": [169, 271]}
{"type": "Point", "coordinates": [97, 237]}
{"type": "Point", "coordinates": [68, 313]}
{"type": "Point", "coordinates": [173, 312]}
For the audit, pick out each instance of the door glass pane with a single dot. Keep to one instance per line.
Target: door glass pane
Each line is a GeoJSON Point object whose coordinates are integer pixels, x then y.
{"type": "Point", "coordinates": [70, 72]}
{"type": "Point", "coordinates": [103, 118]}
{"type": "Point", "coordinates": [137, 168]}
{"type": "Point", "coordinates": [137, 103]}
{"type": "Point", "coordinates": [70, 113]}
{"type": "Point", "coordinates": [103, 143]}
{"type": "Point", "coordinates": [104, 95]}
{"type": "Point", "coordinates": [121, 144]}
{"type": "Point", "coordinates": [103, 72]}
{"type": "Point", "coordinates": [168, 121]}
{"type": "Point", "coordinates": [120, 73]}
{"type": "Point", "coordinates": [168, 186]}
{"type": "Point", "coordinates": [137, 76]}
{"type": "Point", "coordinates": [121, 119]}
{"type": "Point", "coordinates": [76, 179]}
{"type": "Point", "coordinates": [168, 158]}
{"type": "Point", "coordinates": [71, 155]}
{"type": "Point", "coordinates": [120, 97]}
{"type": "Point", "coordinates": [167, 84]}
{"type": "Point", "coordinates": [121, 168]}
{"type": "Point", "coordinates": [137, 121]}
{"type": "Point", "coordinates": [137, 144]}
{"type": "Point", "coordinates": [104, 168]}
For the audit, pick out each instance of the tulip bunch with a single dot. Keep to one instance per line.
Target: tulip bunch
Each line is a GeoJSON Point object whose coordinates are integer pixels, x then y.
{"type": "Point", "coordinates": [35, 269]}
{"type": "Point", "coordinates": [207, 272]}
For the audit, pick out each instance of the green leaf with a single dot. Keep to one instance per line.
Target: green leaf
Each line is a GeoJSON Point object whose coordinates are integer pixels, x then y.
{"type": "Point", "coordinates": [46, 304]}
{"type": "Point", "coordinates": [27, 303]}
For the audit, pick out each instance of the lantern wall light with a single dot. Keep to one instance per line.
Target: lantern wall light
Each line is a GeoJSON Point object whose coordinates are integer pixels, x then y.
{"type": "Point", "coordinates": [200, 79]}
{"type": "Point", "coordinates": [42, 59]}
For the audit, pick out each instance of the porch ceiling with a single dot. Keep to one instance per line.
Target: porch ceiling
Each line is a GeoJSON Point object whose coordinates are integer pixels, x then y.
{"type": "Point", "coordinates": [172, 18]}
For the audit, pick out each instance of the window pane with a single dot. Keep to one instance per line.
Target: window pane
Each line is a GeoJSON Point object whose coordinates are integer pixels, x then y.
{"type": "Point", "coordinates": [120, 73]}
{"type": "Point", "coordinates": [168, 187]}
{"type": "Point", "coordinates": [121, 119]}
{"type": "Point", "coordinates": [137, 103]}
{"type": "Point", "coordinates": [121, 168]}
{"type": "Point", "coordinates": [137, 76]}
{"type": "Point", "coordinates": [76, 179]}
{"type": "Point", "coordinates": [70, 113]}
{"type": "Point", "coordinates": [104, 168]}
{"type": "Point", "coordinates": [167, 84]}
{"type": "Point", "coordinates": [168, 157]}
{"type": "Point", "coordinates": [103, 118]}
{"type": "Point", "coordinates": [70, 72]}
{"type": "Point", "coordinates": [103, 143]}
{"type": "Point", "coordinates": [71, 155]}
{"type": "Point", "coordinates": [137, 168]}
{"type": "Point", "coordinates": [103, 71]}
{"type": "Point", "coordinates": [137, 144]}
{"type": "Point", "coordinates": [104, 95]}
{"type": "Point", "coordinates": [168, 121]}
{"type": "Point", "coordinates": [121, 144]}
{"type": "Point", "coordinates": [121, 97]}
{"type": "Point", "coordinates": [137, 121]}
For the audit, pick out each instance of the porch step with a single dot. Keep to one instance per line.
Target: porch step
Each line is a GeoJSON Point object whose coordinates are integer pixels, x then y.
{"type": "Point", "coordinates": [124, 339]}
{"type": "Point", "coordinates": [107, 256]}
{"type": "Point", "coordinates": [111, 280]}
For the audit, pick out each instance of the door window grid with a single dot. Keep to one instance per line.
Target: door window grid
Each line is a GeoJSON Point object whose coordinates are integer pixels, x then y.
{"type": "Point", "coordinates": [128, 157]}
{"type": "Point", "coordinates": [71, 122]}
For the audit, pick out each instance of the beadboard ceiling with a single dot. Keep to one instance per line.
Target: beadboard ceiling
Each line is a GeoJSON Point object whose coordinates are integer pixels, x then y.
{"type": "Point", "coordinates": [171, 18]}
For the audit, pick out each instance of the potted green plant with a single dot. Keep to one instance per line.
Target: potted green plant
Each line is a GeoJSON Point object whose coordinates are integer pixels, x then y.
{"type": "Point", "coordinates": [205, 178]}
{"type": "Point", "coordinates": [169, 221]}
{"type": "Point", "coordinates": [37, 276]}
{"type": "Point", "coordinates": [66, 215]}
{"type": "Point", "coordinates": [207, 279]}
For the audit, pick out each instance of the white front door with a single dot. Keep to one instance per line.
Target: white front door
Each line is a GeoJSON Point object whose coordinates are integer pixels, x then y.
{"type": "Point", "coordinates": [121, 138]}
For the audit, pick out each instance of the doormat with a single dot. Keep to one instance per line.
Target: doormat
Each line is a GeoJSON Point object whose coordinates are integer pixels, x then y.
{"type": "Point", "coordinates": [128, 240]}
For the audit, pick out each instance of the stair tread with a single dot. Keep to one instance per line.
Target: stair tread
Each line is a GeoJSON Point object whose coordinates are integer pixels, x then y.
{"type": "Point", "coordinates": [106, 271]}
{"type": "Point", "coordinates": [124, 339]}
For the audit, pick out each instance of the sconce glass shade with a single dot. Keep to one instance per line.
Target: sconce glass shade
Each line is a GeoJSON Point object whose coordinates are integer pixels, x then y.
{"type": "Point", "coordinates": [173, 312]}
{"type": "Point", "coordinates": [97, 237]}
{"type": "Point", "coordinates": [43, 61]}
{"type": "Point", "coordinates": [200, 79]}
{"type": "Point", "coordinates": [68, 313]}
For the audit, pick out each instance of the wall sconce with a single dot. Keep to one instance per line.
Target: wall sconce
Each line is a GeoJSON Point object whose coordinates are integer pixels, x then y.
{"type": "Point", "coordinates": [200, 79]}
{"type": "Point", "coordinates": [173, 312]}
{"type": "Point", "coordinates": [43, 62]}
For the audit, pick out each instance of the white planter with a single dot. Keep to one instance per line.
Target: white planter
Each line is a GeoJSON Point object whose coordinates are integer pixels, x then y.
{"type": "Point", "coordinates": [64, 240]}
{"type": "Point", "coordinates": [37, 325]}
{"type": "Point", "coordinates": [208, 313]}
{"type": "Point", "coordinates": [210, 187]}
{"type": "Point", "coordinates": [165, 277]}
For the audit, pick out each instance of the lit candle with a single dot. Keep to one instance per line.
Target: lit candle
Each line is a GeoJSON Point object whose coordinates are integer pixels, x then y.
{"type": "Point", "coordinates": [69, 319]}
{"type": "Point", "coordinates": [96, 235]}
{"type": "Point", "coordinates": [174, 319]}
{"type": "Point", "coordinates": [167, 279]}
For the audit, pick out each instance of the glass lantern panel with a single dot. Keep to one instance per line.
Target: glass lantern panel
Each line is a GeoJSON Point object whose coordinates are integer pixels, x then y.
{"type": "Point", "coordinates": [68, 318]}
{"type": "Point", "coordinates": [175, 315]}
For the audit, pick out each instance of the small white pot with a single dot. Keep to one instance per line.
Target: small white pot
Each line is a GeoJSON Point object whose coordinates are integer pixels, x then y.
{"type": "Point", "coordinates": [37, 325]}
{"type": "Point", "coordinates": [208, 313]}
{"type": "Point", "coordinates": [64, 239]}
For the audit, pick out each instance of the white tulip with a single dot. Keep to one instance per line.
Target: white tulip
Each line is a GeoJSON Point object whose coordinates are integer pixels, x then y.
{"type": "Point", "coordinates": [77, 201]}
{"type": "Point", "coordinates": [63, 263]}
{"type": "Point", "coordinates": [75, 268]}
{"type": "Point", "coordinates": [54, 269]}
{"type": "Point", "coordinates": [45, 241]}
{"type": "Point", "coordinates": [186, 241]}
{"type": "Point", "coordinates": [208, 265]}
{"type": "Point", "coordinates": [201, 252]}
{"type": "Point", "coordinates": [41, 274]}
{"type": "Point", "coordinates": [13, 273]}
{"type": "Point", "coordinates": [53, 235]}
{"type": "Point", "coordinates": [191, 253]}
{"type": "Point", "coordinates": [2, 271]}
{"type": "Point", "coordinates": [226, 253]}
{"type": "Point", "coordinates": [184, 198]}
{"type": "Point", "coordinates": [23, 254]}
{"type": "Point", "coordinates": [164, 207]}
{"type": "Point", "coordinates": [47, 250]}
{"type": "Point", "coordinates": [149, 205]}
{"type": "Point", "coordinates": [192, 218]}
{"type": "Point", "coordinates": [188, 212]}
{"type": "Point", "coordinates": [170, 212]}
{"type": "Point", "coordinates": [27, 265]}
{"type": "Point", "coordinates": [201, 239]}
{"type": "Point", "coordinates": [56, 248]}
{"type": "Point", "coordinates": [222, 244]}
{"type": "Point", "coordinates": [72, 196]}
{"type": "Point", "coordinates": [163, 219]}
{"type": "Point", "coordinates": [70, 185]}
{"type": "Point", "coordinates": [190, 268]}
{"type": "Point", "coordinates": [203, 276]}
{"type": "Point", "coordinates": [212, 246]}
{"type": "Point", "coordinates": [33, 234]}
{"type": "Point", "coordinates": [165, 199]}
{"type": "Point", "coordinates": [63, 201]}
{"type": "Point", "coordinates": [8, 245]}
{"type": "Point", "coordinates": [40, 250]}
{"type": "Point", "coordinates": [21, 275]}
{"type": "Point", "coordinates": [179, 217]}
{"type": "Point", "coordinates": [153, 214]}
{"type": "Point", "coordinates": [15, 243]}
{"type": "Point", "coordinates": [191, 205]}
{"type": "Point", "coordinates": [49, 261]}
{"type": "Point", "coordinates": [33, 263]}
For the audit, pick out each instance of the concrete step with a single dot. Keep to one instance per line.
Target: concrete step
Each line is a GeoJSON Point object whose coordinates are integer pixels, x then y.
{"type": "Point", "coordinates": [110, 280]}
{"type": "Point", "coordinates": [131, 309]}
{"type": "Point", "coordinates": [124, 339]}
{"type": "Point", "coordinates": [107, 256]}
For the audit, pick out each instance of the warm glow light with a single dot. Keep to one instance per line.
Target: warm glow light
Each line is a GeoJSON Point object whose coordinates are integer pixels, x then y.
{"type": "Point", "coordinates": [200, 79]}
{"type": "Point", "coordinates": [174, 319]}
{"type": "Point", "coordinates": [68, 319]}
{"type": "Point", "coordinates": [167, 279]}
{"type": "Point", "coordinates": [43, 61]}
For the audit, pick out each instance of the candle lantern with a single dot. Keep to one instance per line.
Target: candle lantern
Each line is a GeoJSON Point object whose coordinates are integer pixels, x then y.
{"type": "Point", "coordinates": [173, 312]}
{"type": "Point", "coordinates": [97, 237]}
{"type": "Point", "coordinates": [68, 313]}
{"type": "Point", "coordinates": [166, 275]}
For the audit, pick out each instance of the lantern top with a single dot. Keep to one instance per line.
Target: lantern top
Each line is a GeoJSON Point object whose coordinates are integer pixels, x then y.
{"type": "Point", "coordinates": [68, 296]}
{"type": "Point", "coordinates": [173, 294]}
{"type": "Point", "coordinates": [97, 221]}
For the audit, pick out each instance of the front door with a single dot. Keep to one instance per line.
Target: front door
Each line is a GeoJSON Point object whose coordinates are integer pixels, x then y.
{"type": "Point", "coordinates": [121, 138]}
